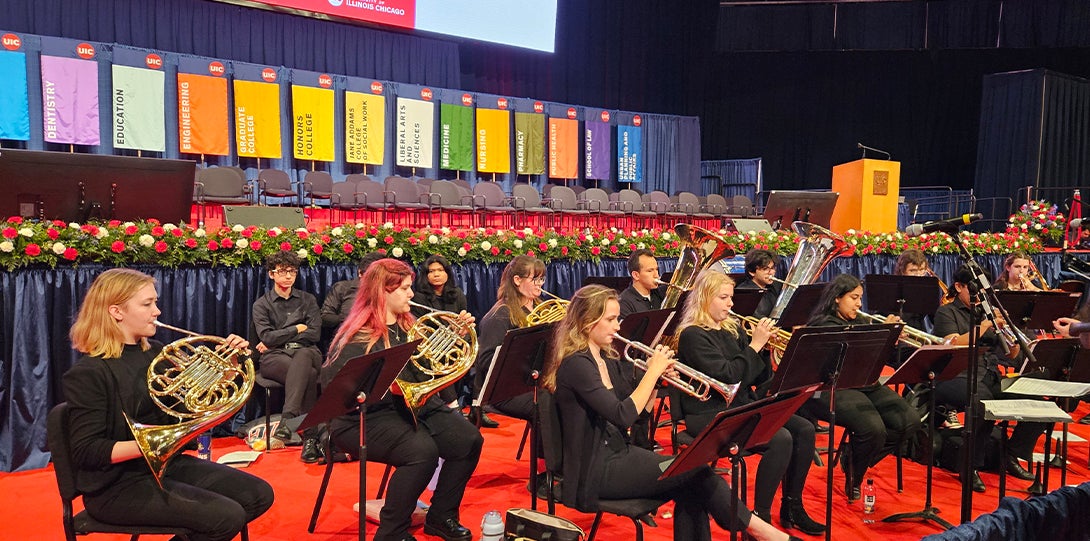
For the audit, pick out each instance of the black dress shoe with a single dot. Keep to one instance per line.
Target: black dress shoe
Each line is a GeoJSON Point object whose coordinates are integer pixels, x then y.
{"type": "Point", "coordinates": [311, 451]}
{"type": "Point", "coordinates": [793, 515]}
{"type": "Point", "coordinates": [450, 530]}
{"type": "Point", "coordinates": [478, 417]}
{"type": "Point", "coordinates": [977, 482]}
{"type": "Point", "coordinates": [1015, 469]}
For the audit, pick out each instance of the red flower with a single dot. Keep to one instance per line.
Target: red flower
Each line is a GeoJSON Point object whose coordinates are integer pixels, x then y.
{"type": "Point", "coordinates": [160, 247]}
{"type": "Point", "coordinates": [117, 247]}
{"type": "Point", "coordinates": [255, 245]}
{"type": "Point", "coordinates": [302, 234]}
{"type": "Point", "coordinates": [381, 251]}
{"type": "Point", "coordinates": [10, 233]}
{"type": "Point", "coordinates": [652, 248]}
{"type": "Point", "coordinates": [285, 246]}
{"type": "Point", "coordinates": [595, 250]}
{"type": "Point", "coordinates": [506, 251]}
{"type": "Point", "coordinates": [157, 231]}
{"type": "Point", "coordinates": [520, 234]}
{"type": "Point", "coordinates": [325, 239]}
{"type": "Point", "coordinates": [15, 220]}
{"type": "Point", "coordinates": [388, 239]}
{"type": "Point", "coordinates": [113, 223]}
{"type": "Point", "coordinates": [563, 250]}
{"type": "Point", "coordinates": [613, 249]}
{"type": "Point", "coordinates": [177, 232]}
{"type": "Point", "coordinates": [58, 223]}
{"type": "Point", "coordinates": [360, 233]}
{"type": "Point", "coordinates": [272, 233]}
{"type": "Point", "coordinates": [530, 253]}
{"type": "Point", "coordinates": [247, 233]}
{"type": "Point", "coordinates": [413, 241]}
{"type": "Point", "coordinates": [227, 243]}
{"type": "Point", "coordinates": [496, 251]}
{"type": "Point", "coordinates": [70, 254]}
{"type": "Point", "coordinates": [52, 233]}
{"type": "Point", "coordinates": [131, 230]}
{"type": "Point", "coordinates": [33, 250]}
{"type": "Point", "coordinates": [632, 247]}
{"type": "Point", "coordinates": [374, 231]}
{"type": "Point", "coordinates": [348, 247]}
{"type": "Point", "coordinates": [467, 246]}
{"type": "Point", "coordinates": [543, 247]}
{"type": "Point", "coordinates": [317, 249]}
{"type": "Point", "coordinates": [152, 221]}
{"type": "Point", "coordinates": [213, 246]}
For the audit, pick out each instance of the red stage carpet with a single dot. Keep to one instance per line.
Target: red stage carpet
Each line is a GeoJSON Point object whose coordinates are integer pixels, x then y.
{"type": "Point", "coordinates": [30, 507]}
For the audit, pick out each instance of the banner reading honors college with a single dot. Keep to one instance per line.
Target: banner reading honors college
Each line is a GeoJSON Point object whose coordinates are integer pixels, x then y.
{"type": "Point", "coordinates": [257, 119]}
{"type": "Point", "coordinates": [415, 132]}
{"type": "Point", "coordinates": [365, 128]}
{"type": "Point", "coordinates": [139, 112]}
{"type": "Point", "coordinates": [202, 115]}
{"type": "Point", "coordinates": [563, 148]}
{"type": "Point", "coordinates": [493, 141]}
{"type": "Point", "coordinates": [313, 112]}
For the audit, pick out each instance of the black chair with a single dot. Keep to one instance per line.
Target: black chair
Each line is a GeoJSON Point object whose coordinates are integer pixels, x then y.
{"type": "Point", "coordinates": [639, 510]}
{"type": "Point", "coordinates": [81, 523]}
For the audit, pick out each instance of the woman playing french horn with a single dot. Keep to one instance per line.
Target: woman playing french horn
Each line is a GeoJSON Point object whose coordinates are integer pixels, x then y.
{"type": "Point", "coordinates": [711, 342]}
{"type": "Point", "coordinates": [109, 381]}
{"type": "Point", "coordinates": [379, 319]}
{"type": "Point", "coordinates": [597, 401]}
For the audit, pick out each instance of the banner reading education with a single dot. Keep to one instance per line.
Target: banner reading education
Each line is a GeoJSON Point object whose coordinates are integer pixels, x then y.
{"type": "Point", "coordinates": [139, 112]}
{"type": "Point", "coordinates": [415, 132]}
{"type": "Point", "coordinates": [493, 141]}
{"type": "Point", "coordinates": [455, 137]}
{"type": "Point", "coordinates": [629, 154]}
{"type": "Point", "coordinates": [70, 100]}
{"type": "Point", "coordinates": [529, 144]}
{"type": "Point", "coordinates": [596, 145]}
{"type": "Point", "coordinates": [203, 126]}
{"type": "Point", "coordinates": [563, 148]}
{"type": "Point", "coordinates": [257, 119]}
{"type": "Point", "coordinates": [14, 97]}
{"type": "Point", "coordinates": [314, 125]}
{"type": "Point", "coordinates": [365, 128]}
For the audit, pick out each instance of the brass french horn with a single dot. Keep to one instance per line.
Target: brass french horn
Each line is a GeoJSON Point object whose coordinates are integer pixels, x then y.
{"type": "Point", "coordinates": [549, 311]}
{"type": "Point", "coordinates": [447, 352]}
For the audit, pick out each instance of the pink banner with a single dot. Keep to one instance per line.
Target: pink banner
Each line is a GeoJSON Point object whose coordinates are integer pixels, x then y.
{"type": "Point", "coordinates": [70, 100]}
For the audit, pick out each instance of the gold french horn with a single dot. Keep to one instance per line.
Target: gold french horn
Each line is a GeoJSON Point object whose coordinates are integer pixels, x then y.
{"type": "Point", "coordinates": [549, 311]}
{"type": "Point", "coordinates": [447, 352]}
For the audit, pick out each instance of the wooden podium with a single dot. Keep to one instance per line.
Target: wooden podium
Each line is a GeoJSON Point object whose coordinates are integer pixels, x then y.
{"type": "Point", "coordinates": [868, 196]}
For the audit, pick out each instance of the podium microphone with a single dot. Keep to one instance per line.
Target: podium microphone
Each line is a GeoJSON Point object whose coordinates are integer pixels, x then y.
{"type": "Point", "coordinates": [865, 148]}
{"type": "Point", "coordinates": [950, 224]}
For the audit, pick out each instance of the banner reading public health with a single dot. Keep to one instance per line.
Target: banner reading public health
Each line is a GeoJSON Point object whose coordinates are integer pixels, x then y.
{"type": "Point", "coordinates": [493, 135]}
{"type": "Point", "coordinates": [415, 131]}
{"type": "Point", "coordinates": [14, 96]}
{"type": "Point", "coordinates": [257, 112]}
{"type": "Point", "coordinates": [629, 154]}
{"type": "Point", "coordinates": [203, 117]}
{"type": "Point", "coordinates": [596, 146]}
{"type": "Point", "coordinates": [70, 95]}
{"type": "Point", "coordinates": [530, 143]}
{"type": "Point", "coordinates": [364, 121]}
{"type": "Point", "coordinates": [563, 148]}
{"type": "Point", "coordinates": [455, 130]}
{"type": "Point", "coordinates": [312, 109]}
{"type": "Point", "coordinates": [139, 120]}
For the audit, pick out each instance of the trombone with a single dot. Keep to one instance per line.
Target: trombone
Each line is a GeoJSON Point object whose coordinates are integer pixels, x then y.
{"type": "Point", "coordinates": [689, 380]}
{"type": "Point", "coordinates": [1032, 275]}
{"type": "Point", "coordinates": [913, 337]}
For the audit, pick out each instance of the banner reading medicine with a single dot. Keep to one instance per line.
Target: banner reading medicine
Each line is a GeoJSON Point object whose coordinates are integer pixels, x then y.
{"type": "Point", "coordinates": [415, 132]}
{"type": "Point", "coordinates": [365, 128]}
{"type": "Point", "coordinates": [493, 141]}
{"type": "Point", "coordinates": [139, 112]}
{"type": "Point", "coordinates": [313, 112]}
{"type": "Point", "coordinates": [70, 100]}
{"type": "Point", "coordinates": [202, 115]}
{"type": "Point", "coordinates": [257, 119]}
{"type": "Point", "coordinates": [455, 137]}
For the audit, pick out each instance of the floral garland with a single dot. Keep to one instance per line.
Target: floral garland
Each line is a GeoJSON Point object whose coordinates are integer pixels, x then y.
{"type": "Point", "coordinates": [1039, 218]}
{"type": "Point", "coordinates": [25, 243]}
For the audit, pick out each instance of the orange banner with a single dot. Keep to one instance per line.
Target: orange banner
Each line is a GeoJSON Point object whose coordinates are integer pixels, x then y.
{"type": "Point", "coordinates": [202, 115]}
{"type": "Point", "coordinates": [563, 148]}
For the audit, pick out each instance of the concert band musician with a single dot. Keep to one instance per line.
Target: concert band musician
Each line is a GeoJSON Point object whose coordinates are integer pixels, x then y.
{"type": "Point", "coordinates": [380, 318]}
{"type": "Point", "coordinates": [643, 294]}
{"type": "Point", "coordinates": [877, 417]}
{"type": "Point", "coordinates": [711, 342]}
{"type": "Point", "coordinates": [112, 330]}
{"type": "Point", "coordinates": [1016, 273]}
{"type": "Point", "coordinates": [597, 401]}
{"type": "Point", "coordinates": [760, 265]}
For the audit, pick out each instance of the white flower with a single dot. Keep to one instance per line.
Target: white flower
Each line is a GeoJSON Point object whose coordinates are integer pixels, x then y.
{"type": "Point", "coordinates": [127, 224]}
{"type": "Point", "coordinates": [854, 242]}
{"type": "Point", "coordinates": [461, 252]}
{"type": "Point", "coordinates": [7, 247]}
{"type": "Point", "coordinates": [360, 225]}
{"type": "Point", "coordinates": [242, 243]}
{"type": "Point", "coordinates": [590, 238]}
{"type": "Point", "coordinates": [552, 243]}
{"type": "Point", "coordinates": [935, 249]}
{"type": "Point", "coordinates": [1037, 226]}
{"type": "Point", "coordinates": [388, 225]}
{"type": "Point", "coordinates": [58, 248]}
{"type": "Point", "coordinates": [432, 239]}
{"type": "Point", "coordinates": [397, 251]}
{"type": "Point", "coordinates": [604, 241]}
{"type": "Point", "coordinates": [73, 225]}
{"type": "Point", "coordinates": [1024, 226]}
{"type": "Point", "coordinates": [275, 232]}
{"type": "Point", "coordinates": [518, 244]}
{"type": "Point", "coordinates": [337, 231]}
{"type": "Point", "coordinates": [302, 253]}
{"type": "Point", "coordinates": [237, 228]}
{"type": "Point", "coordinates": [1016, 244]}
{"type": "Point", "coordinates": [200, 233]}
{"type": "Point", "coordinates": [26, 232]}
{"type": "Point", "coordinates": [665, 235]}
{"type": "Point", "coordinates": [486, 246]}
{"type": "Point", "coordinates": [772, 235]}
{"type": "Point", "coordinates": [372, 242]}
{"type": "Point", "coordinates": [169, 227]}
{"type": "Point", "coordinates": [528, 231]}
{"type": "Point", "coordinates": [889, 237]}
{"type": "Point", "coordinates": [444, 230]}
{"type": "Point", "coordinates": [850, 232]}
{"type": "Point", "coordinates": [102, 232]}
{"type": "Point", "coordinates": [722, 232]}
{"type": "Point", "coordinates": [641, 245]}
{"type": "Point", "coordinates": [146, 240]}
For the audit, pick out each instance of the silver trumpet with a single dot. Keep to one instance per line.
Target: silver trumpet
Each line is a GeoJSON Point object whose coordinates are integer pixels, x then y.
{"type": "Point", "coordinates": [689, 380]}
{"type": "Point", "coordinates": [913, 337]}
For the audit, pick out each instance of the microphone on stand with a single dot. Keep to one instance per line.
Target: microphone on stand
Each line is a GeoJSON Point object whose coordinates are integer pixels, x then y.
{"type": "Point", "coordinates": [865, 148]}
{"type": "Point", "coordinates": [950, 224]}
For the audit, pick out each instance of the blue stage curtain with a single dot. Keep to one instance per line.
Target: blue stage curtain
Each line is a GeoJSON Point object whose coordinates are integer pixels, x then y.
{"type": "Point", "coordinates": [735, 177]}
{"type": "Point", "coordinates": [672, 145]}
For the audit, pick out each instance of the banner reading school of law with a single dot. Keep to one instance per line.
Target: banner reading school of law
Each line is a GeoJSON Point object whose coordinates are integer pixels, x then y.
{"type": "Point", "coordinates": [364, 121]}
{"type": "Point", "coordinates": [139, 86]}
{"type": "Point", "coordinates": [415, 122]}
{"type": "Point", "coordinates": [203, 118]}
{"type": "Point", "coordinates": [596, 147]}
{"type": "Point", "coordinates": [14, 96]}
{"type": "Point", "coordinates": [493, 135]}
{"type": "Point", "coordinates": [629, 154]}
{"type": "Point", "coordinates": [312, 110]}
{"type": "Point", "coordinates": [530, 143]}
{"type": "Point", "coordinates": [455, 130]}
{"type": "Point", "coordinates": [257, 112]}
{"type": "Point", "coordinates": [70, 95]}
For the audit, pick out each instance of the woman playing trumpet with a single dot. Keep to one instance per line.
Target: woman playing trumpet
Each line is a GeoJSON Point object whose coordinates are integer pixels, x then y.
{"type": "Point", "coordinates": [710, 342]}
{"type": "Point", "coordinates": [597, 403]}
{"type": "Point", "coordinates": [113, 329]}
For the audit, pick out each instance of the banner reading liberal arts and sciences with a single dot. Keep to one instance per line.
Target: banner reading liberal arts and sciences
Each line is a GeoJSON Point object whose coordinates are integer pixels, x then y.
{"type": "Point", "coordinates": [530, 143]}
{"type": "Point", "coordinates": [14, 97]}
{"type": "Point", "coordinates": [69, 92]}
{"type": "Point", "coordinates": [312, 109]}
{"type": "Point", "coordinates": [629, 153]}
{"type": "Point", "coordinates": [596, 146]}
{"type": "Point", "coordinates": [455, 130]}
{"type": "Point", "coordinates": [493, 135]}
{"type": "Point", "coordinates": [364, 121]}
{"type": "Point", "coordinates": [257, 112]}
{"type": "Point", "coordinates": [139, 86]}
{"type": "Point", "coordinates": [415, 130]}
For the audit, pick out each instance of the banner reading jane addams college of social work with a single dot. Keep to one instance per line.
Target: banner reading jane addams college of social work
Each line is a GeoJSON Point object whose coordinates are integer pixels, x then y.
{"type": "Point", "coordinates": [364, 122]}
{"type": "Point", "coordinates": [257, 113]}
{"type": "Point", "coordinates": [312, 109]}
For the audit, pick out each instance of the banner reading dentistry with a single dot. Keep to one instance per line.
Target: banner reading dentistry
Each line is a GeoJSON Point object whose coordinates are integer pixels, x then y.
{"type": "Point", "coordinates": [312, 111]}
{"type": "Point", "coordinates": [70, 93]}
{"type": "Point", "coordinates": [364, 121]}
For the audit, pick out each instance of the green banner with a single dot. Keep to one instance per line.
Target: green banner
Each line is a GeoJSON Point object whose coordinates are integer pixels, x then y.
{"type": "Point", "coordinates": [139, 114]}
{"type": "Point", "coordinates": [455, 137]}
{"type": "Point", "coordinates": [529, 144]}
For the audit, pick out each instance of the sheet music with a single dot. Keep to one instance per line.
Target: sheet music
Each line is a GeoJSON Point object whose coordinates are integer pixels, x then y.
{"type": "Point", "coordinates": [1044, 387]}
{"type": "Point", "coordinates": [1024, 410]}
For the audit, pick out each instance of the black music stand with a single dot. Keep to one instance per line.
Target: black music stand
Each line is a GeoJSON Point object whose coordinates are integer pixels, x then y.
{"type": "Point", "coordinates": [1037, 309]}
{"type": "Point", "coordinates": [747, 300]}
{"type": "Point", "coordinates": [785, 207]}
{"type": "Point", "coordinates": [617, 283]}
{"type": "Point", "coordinates": [896, 294]}
{"type": "Point", "coordinates": [801, 305]}
{"type": "Point", "coordinates": [362, 381]}
{"type": "Point", "coordinates": [515, 369]}
{"type": "Point", "coordinates": [645, 326]}
{"type": "Point", "coordinates": [736, 430]}
{"type": "Point", "coordinates": [836, 358]}
{"type": "Point", "coordinates": [932, 363]}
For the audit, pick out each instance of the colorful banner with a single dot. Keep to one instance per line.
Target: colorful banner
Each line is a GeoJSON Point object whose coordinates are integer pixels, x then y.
{"type": "Point", "coordinates": [70, 100]}
{"type": "Point", "coordinates": [529, 144]}
{"type": "Point", "coordinates": [563, 148]}
{"type": "Point", "coordinates": [203, 125]}
{"type": "Point", "coordinates": [257, 119]}
{"type": "Point", "coordinates": [365, 128]}
{"type": "Point", "coordinates": [415, 133]}
{"type": "Point", "coordinates": [493, 141]}
{"type": "Point", "coordinates": [455, 137]}
{"type": "Point", "coordinates": [596, 146]}
{"type": "Point", "coordinates": [14, 97]}
{"type": "Point", "coordinates": [314, 124]}
{"type": "Point", "coordinates": [629, 154]}
{"type": "Point", "coordinates": [139, 111]}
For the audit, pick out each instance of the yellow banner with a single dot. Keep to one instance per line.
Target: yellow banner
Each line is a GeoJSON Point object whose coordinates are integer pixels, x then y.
{"type": "Point", "coordinates": [313, 112]}
{"type": "Point", "coordinates": [364, 128]}
{"type": "Point", "coordinates": [257, 119]}
{"type": "Point", "coordinates": [493, 141]}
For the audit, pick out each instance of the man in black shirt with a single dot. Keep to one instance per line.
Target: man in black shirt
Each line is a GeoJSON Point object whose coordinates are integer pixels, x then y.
{"type": "Point", "coordinates": [643, 294]}
{"type": "Point", "coordinates": [288, 325]}
{"type": "Point", "coordinates": [342, 295]}
{"type": "Point", "coordinates": [761, 268]}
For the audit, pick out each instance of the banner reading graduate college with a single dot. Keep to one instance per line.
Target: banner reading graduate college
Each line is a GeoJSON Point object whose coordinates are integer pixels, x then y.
{"type": "Point", "coordinates": [364, 121]}
{"type": "Point", "coordinates": [494, 139]}
{"type": "Point", "coordinates": [456, 134]}
{"type": "Point", "coordinates": [70, 99]}
{"type": "Point", "coordinates": [257, 115]}
{"type": "Point", "coordinates": [596, 146]}
{"type": "Point", "coordinates": [312, 111]}
{"type": "Point", "coordinates": [139, 87]}
{"type": "Point", "coordinates": [14, 97]}
{"type": "Point", "coordinates": [629, 154]}
{"type": "Point", "coordinates": [529, 144]}
{"type": "Point", "coordinates": [415, 123]}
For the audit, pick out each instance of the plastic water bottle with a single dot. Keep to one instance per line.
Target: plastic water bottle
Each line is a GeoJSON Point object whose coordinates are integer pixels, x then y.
{"type": "Point", "coordinates": [492, 526]}
{"type": "Point", "coordinates": [868, 500]}
{"type": "Point", "coordinates": [204, 446]}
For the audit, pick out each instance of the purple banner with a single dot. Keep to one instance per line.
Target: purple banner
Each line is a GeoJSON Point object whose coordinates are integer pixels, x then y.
{"type": "Point", "coordinates": [596, 147]}
{"type": "Point", "coordinates": [70, 100]}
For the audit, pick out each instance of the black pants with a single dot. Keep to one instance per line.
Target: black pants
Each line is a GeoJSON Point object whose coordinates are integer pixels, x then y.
{"type": "Point", "coordinates": [415, 452]}
{"type": "Point", "coordinates": [212, 500]}
{"type": "Point", "coordinates": [297, 369]}
{"type": "Point", "coordinates": [877, 417]}
{"type": "Point", "coordinates": [698, 493]}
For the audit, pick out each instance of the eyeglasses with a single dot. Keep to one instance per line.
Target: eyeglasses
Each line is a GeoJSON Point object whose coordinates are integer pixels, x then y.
{"type": "Point", "coordinates": [539, 281]}
{"type": "Point", "coordinates": [286, 272]}
{"type": "Point", "coordinates": [770, 268]}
